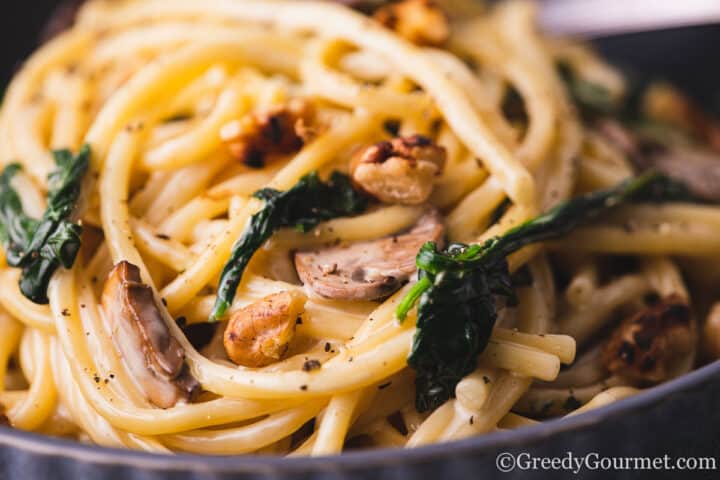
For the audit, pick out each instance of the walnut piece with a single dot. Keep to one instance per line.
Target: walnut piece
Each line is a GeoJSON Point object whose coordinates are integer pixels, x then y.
{"type": "Point", "coordinates": [420, 21]}
{"type": "Point", "coordinates": [260, 334]}
{"type": "Point", "coordinates": [400, 171]}
{"type": "Point", "coordinates": [279, 130]}
{"type": "Point", "coordinates": [646, 347]}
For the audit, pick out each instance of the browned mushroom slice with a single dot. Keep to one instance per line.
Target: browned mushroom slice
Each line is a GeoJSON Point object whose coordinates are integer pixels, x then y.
{"type": "Point", "coordinates": [152, 355]}
{"type": "Point", "coordinates": [695, 167]}
{"type": "Point", "coordinates": [649, 346]}
{"type": "Point", "coordinates": [368, 270]}
{"type": "Point", "coordinates": [698, 170]}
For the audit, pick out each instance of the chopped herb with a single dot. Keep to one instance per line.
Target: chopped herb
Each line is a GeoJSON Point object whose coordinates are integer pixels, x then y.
{"type": "Point", "coordinates": [459, 287]}
{"type": "Point", "coordinates": [303, 207]}
{"type": "Point", "coordinates": [39, 247]}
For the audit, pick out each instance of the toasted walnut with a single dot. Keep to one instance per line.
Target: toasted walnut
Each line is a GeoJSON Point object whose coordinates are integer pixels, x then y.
{"type": "Point", "coordinates": [648, 346]}
{"type": "Point", "coordinates": [421, 21]}
{"type": "Point", "coordinates": [277, 131]}
{"type": "Point", "coordinates": [260, 334]}
{"type": "Point", "coordinates": [711, 332]}
{"type": "Point", "coordinates": [400, 171]}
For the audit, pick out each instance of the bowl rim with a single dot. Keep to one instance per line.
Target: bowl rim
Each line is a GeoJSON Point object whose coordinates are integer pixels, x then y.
{"type": "Point", "coordinates": [84, 453]}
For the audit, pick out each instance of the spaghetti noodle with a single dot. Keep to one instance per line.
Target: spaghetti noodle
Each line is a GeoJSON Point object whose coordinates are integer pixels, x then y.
{"type": "Point", "coordinates": [191, 107]}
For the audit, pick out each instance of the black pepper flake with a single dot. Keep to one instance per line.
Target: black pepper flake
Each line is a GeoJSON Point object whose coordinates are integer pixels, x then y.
{"type": "Point", "coordinates": [112, 375]}
{"type": "Point", "coordinates": [486, 379]}
{"type": "Point", "coordinates": [298, 321]}
{"type": "Point", "coordinates": [82, 305]}
{"type": "Point", "coordinates": [303, 388]}
{"type": "Point", "coordinates": [327, 346]}
{"type": "Point", "coordinates": [162, 236]}
{"type": "Point", "coordinates": [65, 312]}
{"type": "Point", "coordinates": [571, 403]}
{"type": "Point", "coordinates": [472, 420]}
{"type": "Point", "coordinates": [96, 378]}
{"type": "Point", "coordinates": [311, 365]}
{"type": "Point", "coordinates": [164, 302]}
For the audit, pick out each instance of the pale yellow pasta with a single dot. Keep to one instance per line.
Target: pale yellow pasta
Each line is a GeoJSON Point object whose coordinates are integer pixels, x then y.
{"type": "Point", "coordinates": [178, 102]}
{"type": "Point", "coordinates": [605, 398]}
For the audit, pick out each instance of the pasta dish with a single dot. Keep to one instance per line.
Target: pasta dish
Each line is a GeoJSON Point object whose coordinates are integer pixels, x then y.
{"type": "Point", "coordinates": [305, 227]}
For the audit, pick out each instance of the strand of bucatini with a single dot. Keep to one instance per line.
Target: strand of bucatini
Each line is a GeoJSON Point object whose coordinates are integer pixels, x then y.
{"type": "Point", "coordinates": [170, 97]}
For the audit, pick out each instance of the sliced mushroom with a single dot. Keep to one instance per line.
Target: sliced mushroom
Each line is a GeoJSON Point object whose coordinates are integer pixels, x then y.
{"type": "Point", "coordinates": [260, 334]}
{"type": "Point", "coordinates": [699, 170]}
{"type": "Point", "coordinates": [695, 167]}
{"type": "Point", "coordinates": [153, 356]}
{"type": "Point", "coordinates": [368, 270]}
{"type": "Point", "coordinates": [650, 346]}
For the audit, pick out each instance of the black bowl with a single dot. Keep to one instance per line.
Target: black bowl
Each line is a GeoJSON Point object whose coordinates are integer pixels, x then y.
{"type": "Point", "coordinates": [680, 418]}
{"type": "Point", "coordinates": [677, 419]}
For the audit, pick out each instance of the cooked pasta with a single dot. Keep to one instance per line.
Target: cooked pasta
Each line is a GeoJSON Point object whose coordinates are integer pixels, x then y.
{"type": "Point", "coordinates": [445, 120]}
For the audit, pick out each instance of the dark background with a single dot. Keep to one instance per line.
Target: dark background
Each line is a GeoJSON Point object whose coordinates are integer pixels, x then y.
{"type": "Point", "coordinates": [688, 57]}
{"type": "Point", "coordinates": [20, 24]}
